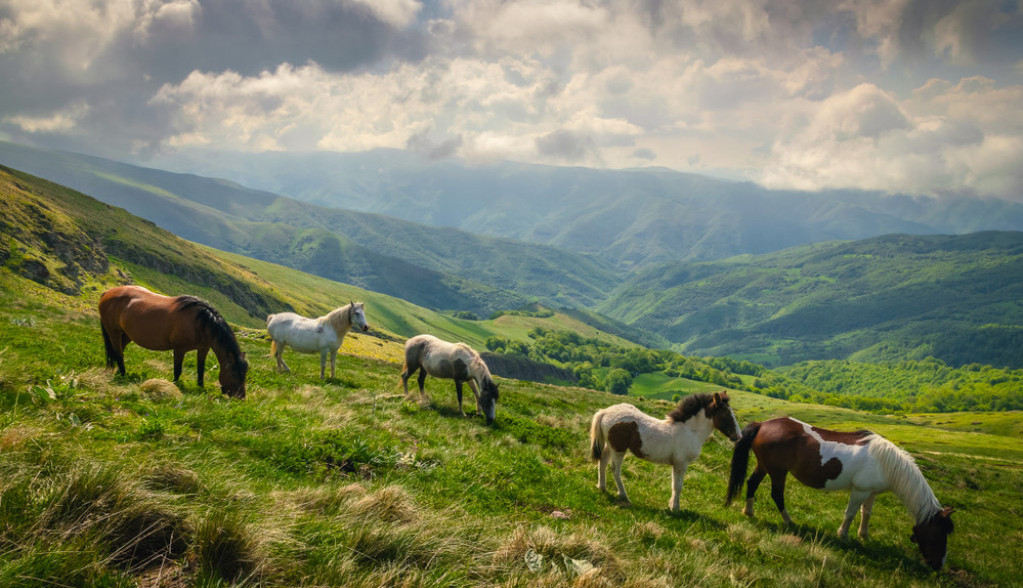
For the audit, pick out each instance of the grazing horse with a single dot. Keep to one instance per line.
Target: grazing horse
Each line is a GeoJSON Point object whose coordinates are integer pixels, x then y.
{"type": "Point", "coordinates": [862, 462]}
{"type": "Point", "coordinates": [454, 361]}
{"type": "Point", "coordinates": [321, 335]}
{"type": "Point", "coordinates": [676, 440]}
{"type": "Point", "coordinates": [182, 323]}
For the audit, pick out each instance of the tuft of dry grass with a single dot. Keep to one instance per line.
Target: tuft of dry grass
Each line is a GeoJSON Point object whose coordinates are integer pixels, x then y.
{"type": "Point", "coordinates": [392, 504]}
{"type": "Point", "coordinates": [158, 389]}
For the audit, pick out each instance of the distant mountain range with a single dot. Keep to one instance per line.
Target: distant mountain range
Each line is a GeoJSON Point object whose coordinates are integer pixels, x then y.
{"type": "Point", "coordinates": [955, 297]}
{"type": "Point", "coordinates": [630, 218]}
{"type": "Point", "coordinates": [440, 268]}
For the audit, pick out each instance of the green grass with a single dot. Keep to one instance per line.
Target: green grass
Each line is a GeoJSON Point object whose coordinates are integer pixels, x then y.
{"type": "Point", "coordinates": [658, 385]}
{"type": "Point", "coordinates": [344, 482]}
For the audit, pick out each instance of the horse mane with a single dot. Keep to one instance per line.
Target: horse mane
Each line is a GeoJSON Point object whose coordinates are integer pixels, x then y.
{"type": "Point", "coordinates": [340, 319]}
{"type": "Point", "coordinates": [214, 324]}
{"type": "Point", "coordinates": [478, 367]}
{"type": "Point", "coordinates": [905, 479]}
{"type": "Point", "coordinates": [689, 407]}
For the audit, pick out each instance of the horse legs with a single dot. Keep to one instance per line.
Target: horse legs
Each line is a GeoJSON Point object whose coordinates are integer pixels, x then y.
{"type": "Point", "coordinates": [868, 505]}
{"type": "Point", "coordinates": [751, 488]}
{"type": "Point", "coordinates": [179, 358]}
{"type": "Point", "coordinates": [278, 349]}
{"type": "Point", "coordinates": [476, 393]}
{"type": "Point", "coordinates": [678, 472]}
{"type": "Point", "coordinates": [778, 493]}
{"type": "Point", "coordinates": [856, 498]}
{"type": "Point", "coordinates": [616, 464]}
{"type": "Point", "coordinates": [323, 363]}
{"type": "Point", "coordinates": [605, 456]}
{"type": "Point", "coordinates": [200, 363]}
{"type": "Point", "coordinates": [333, 358]}
{"type": "Point", "coordinates": [458, 391]}
{"type": "Point", "coordinates": [422, 385]}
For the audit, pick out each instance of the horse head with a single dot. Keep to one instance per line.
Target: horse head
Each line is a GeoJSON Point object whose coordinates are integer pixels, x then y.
{"type": "Point", "coordinates": [488, 399]}
{"type": "Point", "coordinates": [232, 377]}
{"type": "Point", "coordinates": [932, 537]}
{"type": "Point", "coordinates": [357, 315]}
{"type": "Point", "coordinates": [724, 418]}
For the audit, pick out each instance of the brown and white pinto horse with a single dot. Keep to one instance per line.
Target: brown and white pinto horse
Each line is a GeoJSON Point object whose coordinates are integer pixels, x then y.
{"type": "Point", "coordinates": [182, 323]}
{"type": "Point", "coordinates": [862, 462]}
{"type": "Point", "coordinates": [675, 440]}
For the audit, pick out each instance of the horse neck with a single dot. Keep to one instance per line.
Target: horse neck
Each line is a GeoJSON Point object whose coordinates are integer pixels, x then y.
{"type": "Point", "coordinates": [905, 480]}
{"type": "Point", "coordinates": [339, 319]}
{"type": "Point", "coordinates": [699, 424]}
{"type": "Point", "coordinates": [479, 371]}
{"type": "Point", "coordinates": [225, 356]}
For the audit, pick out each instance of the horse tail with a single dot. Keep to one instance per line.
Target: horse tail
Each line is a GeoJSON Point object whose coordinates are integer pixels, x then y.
{"type": "Point", "coordinates": [273, 347]}
{"type": "Point", "coordinates": [740, 460]}
{"type": "Point", "coordinates": [111, 360]}
{"type": "Point", "coordinates": [597, 439]}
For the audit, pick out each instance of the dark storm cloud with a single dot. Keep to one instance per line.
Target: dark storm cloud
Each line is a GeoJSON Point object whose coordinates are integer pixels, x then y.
{"type": "Point", "coordinates": [249, 37]}
{"type": "Point", "coordinates": [565, 145]}
{"type": "Point", "coordinates": [115, 67]}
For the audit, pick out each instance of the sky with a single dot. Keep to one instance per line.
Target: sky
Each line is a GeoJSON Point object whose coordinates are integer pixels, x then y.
{"type": "Point", "coordinates": [904, 96]}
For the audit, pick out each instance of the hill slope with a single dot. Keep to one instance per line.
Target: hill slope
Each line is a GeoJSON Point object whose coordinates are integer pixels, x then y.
{"type": "Point", "coordinates": [110, 481]}
{"type": "Point", "coordinates": [439, 268]}
{"type": "Point", "coordinates": [633, 218]}
{"type": "Point", "coordinates": [73, 245]}
{"type": "Point", "coordinates": [957, 298]}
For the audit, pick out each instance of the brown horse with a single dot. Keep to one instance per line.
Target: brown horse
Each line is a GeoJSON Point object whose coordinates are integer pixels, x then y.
{"type": "Point", "coordinates": [862, 462]}
{"type": "Point", "coordinates": [182, 323]}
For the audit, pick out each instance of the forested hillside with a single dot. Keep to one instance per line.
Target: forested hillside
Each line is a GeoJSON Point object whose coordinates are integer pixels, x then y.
{"type": "Point", "coordinates": [956, 298]}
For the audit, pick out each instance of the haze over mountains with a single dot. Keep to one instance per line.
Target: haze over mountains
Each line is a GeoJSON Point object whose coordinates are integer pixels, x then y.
{"type": "Point", "coordinates": [631, 218]}
{"type": "Point", "coordinates": [653, 249]}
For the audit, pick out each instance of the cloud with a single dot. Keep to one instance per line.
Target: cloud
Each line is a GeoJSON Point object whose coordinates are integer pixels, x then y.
{"type": "Point", "coordinates": [945, 139]}
{"type": "Point", "coordinates": [900, 95]}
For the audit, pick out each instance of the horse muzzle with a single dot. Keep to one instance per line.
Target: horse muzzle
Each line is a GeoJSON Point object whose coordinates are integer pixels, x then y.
{"type": "Point", "coordinates": [365, 328]}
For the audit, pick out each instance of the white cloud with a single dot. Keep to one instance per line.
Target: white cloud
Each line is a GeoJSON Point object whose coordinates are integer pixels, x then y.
{"type": "Point", "coordinates": [63, 121]}
{"type": "Point", "coordinates": [945, 139]}
{"type": "Point", "coordinates": [791, 92]}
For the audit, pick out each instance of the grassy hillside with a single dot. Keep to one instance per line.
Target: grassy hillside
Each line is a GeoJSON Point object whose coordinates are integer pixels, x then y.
{"type": "Point", "coordinates": [70, 243]}
{"type": "Point", "coordinates": [106, 482]}
{"type": "Point", "coordinates": [441, 268]}
{"type": "Point", "coordinates": [956, 298]}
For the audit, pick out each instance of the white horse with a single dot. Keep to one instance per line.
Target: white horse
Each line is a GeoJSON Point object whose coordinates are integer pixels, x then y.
{"type": "Point", "coordinates": [676, 440]}
{"type": "Point", "coordinates": [311, 335]}
{"type": "Point", "coordinates": [859, 461]}
{"type": "Point", "coordinates": [455, 361]}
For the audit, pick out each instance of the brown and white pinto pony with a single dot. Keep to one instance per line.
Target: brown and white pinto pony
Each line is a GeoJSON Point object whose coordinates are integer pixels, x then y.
{"type": "Point", "coordinates": [862, 462]}
{"type": "Point", "coordinates": [181, 323]}
{"type": "Point", "coordinates": [454, 361]}
{"type": "Point", "coordinates": [675, 440]}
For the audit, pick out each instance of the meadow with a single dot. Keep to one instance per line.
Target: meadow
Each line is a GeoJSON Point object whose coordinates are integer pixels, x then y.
{"type": "Point", "coordinates": [105, 481]}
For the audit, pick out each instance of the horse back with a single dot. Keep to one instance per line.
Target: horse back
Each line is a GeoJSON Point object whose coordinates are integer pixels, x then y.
{"type": "Point", "coordinates": [818, 458]}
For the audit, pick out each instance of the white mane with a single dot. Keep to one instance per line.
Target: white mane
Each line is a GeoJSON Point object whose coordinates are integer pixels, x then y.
{"type": "Point", "coordinates": [905, 479]}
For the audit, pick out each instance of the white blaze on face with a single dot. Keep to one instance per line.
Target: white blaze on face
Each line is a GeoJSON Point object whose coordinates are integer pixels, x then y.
{"type": "Point", "coordinates": [735, 423]}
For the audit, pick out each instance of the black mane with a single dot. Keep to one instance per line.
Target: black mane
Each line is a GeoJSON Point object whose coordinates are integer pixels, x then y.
{"type": "Point", "coordinates": [689, 406]}
{"type": "Point", "coordinates": [214, 324]}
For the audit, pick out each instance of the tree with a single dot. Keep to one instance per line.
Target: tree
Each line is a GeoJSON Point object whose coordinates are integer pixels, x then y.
{"type": "Point", "coordinates": [618, 381]}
